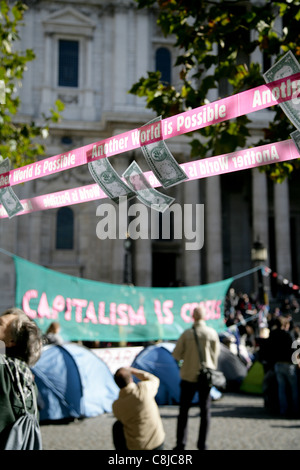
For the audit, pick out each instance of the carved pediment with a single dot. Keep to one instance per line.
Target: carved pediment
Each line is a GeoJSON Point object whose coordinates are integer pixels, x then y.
{"type": "Point", "coordinates": [70, 21]}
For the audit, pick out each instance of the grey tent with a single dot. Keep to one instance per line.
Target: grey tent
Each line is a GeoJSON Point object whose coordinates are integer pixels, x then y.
{"type": "Point", "coordinates": [232, 367]}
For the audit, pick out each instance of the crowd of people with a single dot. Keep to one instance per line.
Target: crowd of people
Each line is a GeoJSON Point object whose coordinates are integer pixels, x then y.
{"type": "Point", "coordinates": [253, 320]}
{"type": "Point", "coordinates": [271, 336]}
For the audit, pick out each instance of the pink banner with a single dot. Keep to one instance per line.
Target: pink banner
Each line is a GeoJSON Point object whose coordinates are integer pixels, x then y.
{"type": "Point", "coordinates": [231, 107]}
{"type": "Point", "coordinates": [203, 168]}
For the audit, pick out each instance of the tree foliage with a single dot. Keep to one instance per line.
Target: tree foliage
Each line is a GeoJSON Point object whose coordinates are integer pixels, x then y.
{"type": "Point", "coordinates": [215, 41]}
{"type": "Point", "coordinates": [20, 142]}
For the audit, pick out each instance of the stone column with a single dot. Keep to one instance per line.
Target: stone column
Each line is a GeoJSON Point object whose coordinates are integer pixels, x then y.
{"type": "Point", "coordinates": [28, 43]}
{"type": "Point", "coordinates": [142, 51]}
{"type": "Point", "coordinates": [120, 57]}
{"type": "Point", "coordinates": [143, 262]}
{"type": "Point", "coordinates": [8, 234]}
{"type": "Point", "coordinates": [88, 113]}
{"type": "Point", "coordinates": [106, 65]}
{"type": "Point", "coordinates": [117, 245]}
{"type": "Point", "coordinates": [260, 219]}
{"type": "Point", "coordinates": [282, 229]}
{"type": "Point", "coordinates": [46, 90]}
{"type": "Point", "coordinates": [213, 230]}
{"type": "Point", "coordinates": [34, 233]}
{"type": "Point", "coordinates": [117, 264]}
{"type": "Point", "coordinates": [191, 258]}
{"type": "Point", "coordinates": [259, 207]}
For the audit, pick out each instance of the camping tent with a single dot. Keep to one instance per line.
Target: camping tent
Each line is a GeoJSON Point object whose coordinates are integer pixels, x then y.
{"type": "Point", "coordinates": [158, 360]}
{"type": "Point", "coordinates": [253, 382]}
{"type": "Point", "coordinates": [234, 369]}
{"type": "Point", "coordinates": [73, 382]}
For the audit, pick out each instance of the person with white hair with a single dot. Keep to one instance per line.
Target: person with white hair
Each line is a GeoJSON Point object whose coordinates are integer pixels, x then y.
{"type": "Point", "coordinates": [186, 352]}
{"type": "Point", "coordinates": [21, 346]}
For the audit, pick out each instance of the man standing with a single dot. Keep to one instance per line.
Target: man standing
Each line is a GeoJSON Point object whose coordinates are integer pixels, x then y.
{"type": "Point", "coordinates": [139, 425]}
{"type": "Point", "coordinates": [186, 350]}
{"type": "Point", "coordinates": [280, 354]}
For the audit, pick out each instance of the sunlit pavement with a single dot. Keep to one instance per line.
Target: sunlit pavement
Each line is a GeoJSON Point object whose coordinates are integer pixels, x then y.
{"type": "Point", "coordinates": [239, 422]}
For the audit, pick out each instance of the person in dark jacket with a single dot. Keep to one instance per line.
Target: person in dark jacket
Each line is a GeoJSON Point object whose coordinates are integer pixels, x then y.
{"type": "Point", "coordinates": [280, 354]}
{"type": "Point", "coordinates": [20, 348]}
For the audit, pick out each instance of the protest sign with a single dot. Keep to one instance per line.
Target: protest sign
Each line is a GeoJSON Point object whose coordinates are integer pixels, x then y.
{"type": "Point", "coordinates": [89, 310]}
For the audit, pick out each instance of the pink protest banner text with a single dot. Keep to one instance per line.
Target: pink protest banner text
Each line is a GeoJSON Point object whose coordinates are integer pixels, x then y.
{"type": "Point", "coordinates": [248, 101]}
{"type": "Point", "coordinates": [85, 311]}
{"type": "Point", "coordinates": [203, 168]}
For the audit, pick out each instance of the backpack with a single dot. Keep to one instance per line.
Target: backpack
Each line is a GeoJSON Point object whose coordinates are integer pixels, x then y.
{"type": "Point", "coordinates": [25, 432]}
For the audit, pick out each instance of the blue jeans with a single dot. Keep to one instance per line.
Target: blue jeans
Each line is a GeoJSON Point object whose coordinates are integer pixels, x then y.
{"type": "Point", "coordinates": [287, 379]}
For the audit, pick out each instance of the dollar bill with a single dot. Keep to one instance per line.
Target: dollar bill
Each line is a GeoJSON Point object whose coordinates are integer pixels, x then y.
{"type": "Point", "coordinates": [296, 138]}
{"type": "Point", "coordinates": [109, 180]}
{"type": "Point", "coordinates": [8, 198]}
{"type": "Point", "coordinates": [145, 193]}
{"type": "Point", "coordinates": [4, 166]}
{"type": "Point", "coordinates": [286, 66]}
{"type": "Point", "coordinates": [162, 163]}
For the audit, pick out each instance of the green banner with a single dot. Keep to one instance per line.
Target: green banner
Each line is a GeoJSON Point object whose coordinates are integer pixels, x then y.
{"type": "Point", "coordinates": [95, 311]}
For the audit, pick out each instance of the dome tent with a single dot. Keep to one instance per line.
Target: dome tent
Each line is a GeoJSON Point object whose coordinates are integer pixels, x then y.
{"type": "Point", "coordinates": [158, 360]}
{"type": "Point", "coordinates": [234, 369]}
{"type": "Point", "coordinates": [254, 380]}
{"type": "Point", "coordinates": [72, 383]}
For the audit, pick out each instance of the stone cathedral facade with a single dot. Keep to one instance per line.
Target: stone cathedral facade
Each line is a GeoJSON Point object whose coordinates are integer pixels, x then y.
{"type": "Point", "coordinates": [88, 54]}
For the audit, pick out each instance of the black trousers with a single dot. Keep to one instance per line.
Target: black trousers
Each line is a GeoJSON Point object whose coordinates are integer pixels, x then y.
{"type": "Point", "coordinates": [119, 438]}
{"type": "Point", "coordinates": [187, 393]}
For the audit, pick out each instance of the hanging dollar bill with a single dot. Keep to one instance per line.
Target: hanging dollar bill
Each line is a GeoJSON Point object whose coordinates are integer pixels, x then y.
{"type": "Point", "coordinates": [109, 180]}
{"type": "Point", "coordinates": [162, 162]}
{"type": "Point", "coordinates": [4, 166]}
{"type": "Point", "coordinates": [8, 198]}
{"type": "Point", "coordinates": [296, 138]}
{"type": "Point", "coordinates": [286, 66]}
{"type": "Point", "coordinates": [145, 193]}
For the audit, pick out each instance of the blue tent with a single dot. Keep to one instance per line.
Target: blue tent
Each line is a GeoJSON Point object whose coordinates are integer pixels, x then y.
{"type": "Point", "coordinates": [72, 383]}
{"type": "Point", "coordinates": [158, 360]}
